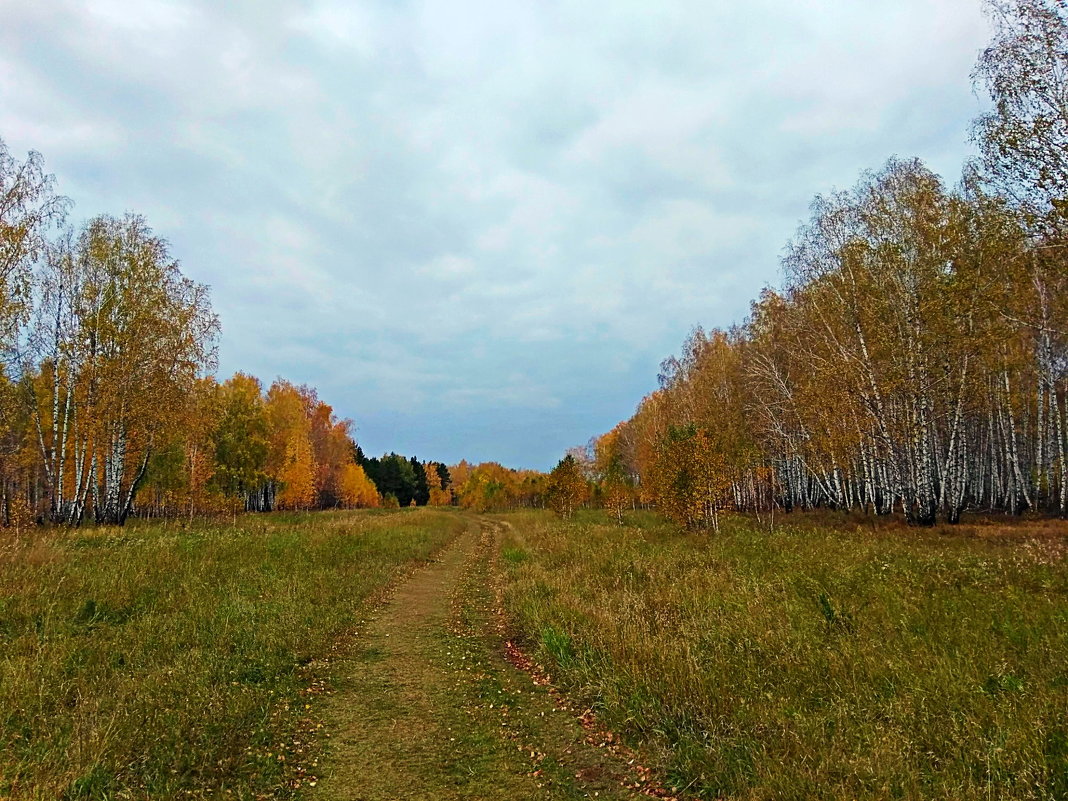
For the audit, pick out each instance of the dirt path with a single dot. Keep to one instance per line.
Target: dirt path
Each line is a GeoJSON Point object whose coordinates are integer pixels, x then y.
{"type": "Point", "coordinates": [428, 708]}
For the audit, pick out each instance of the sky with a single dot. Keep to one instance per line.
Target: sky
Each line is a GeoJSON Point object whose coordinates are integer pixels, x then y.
{"type": "Point", "coordinates": [478, 227]}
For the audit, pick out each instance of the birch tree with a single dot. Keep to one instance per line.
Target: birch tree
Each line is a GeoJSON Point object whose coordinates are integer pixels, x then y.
{"type": "Point", "coordinates": [567, 489]}
{"type": "Point", "coordinates": [29, 209]}
{"type": "Point", "coordinates": [1024, 137]}
{"type": "Point", "coordinates": [128, 335]}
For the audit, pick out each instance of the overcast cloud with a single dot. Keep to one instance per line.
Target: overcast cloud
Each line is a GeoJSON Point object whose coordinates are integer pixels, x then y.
{"type": "Point", "coordinates": [477, 228]}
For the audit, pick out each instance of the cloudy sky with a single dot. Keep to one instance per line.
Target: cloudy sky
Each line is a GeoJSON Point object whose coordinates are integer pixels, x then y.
{"type": "Point", "coordinates": [477, 227]}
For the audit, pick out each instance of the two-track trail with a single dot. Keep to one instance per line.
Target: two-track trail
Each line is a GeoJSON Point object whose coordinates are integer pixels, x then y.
{"type": "Point", "coordinates": [427, 706]}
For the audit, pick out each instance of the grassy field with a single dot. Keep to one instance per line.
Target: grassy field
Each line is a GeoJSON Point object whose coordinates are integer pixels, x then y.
{"type": "Point", "coordinates": [811, 661]}
{"type": "Point", "coordinates": [159, 661]}
{"type": "Point", "coordinates": [808, 662]}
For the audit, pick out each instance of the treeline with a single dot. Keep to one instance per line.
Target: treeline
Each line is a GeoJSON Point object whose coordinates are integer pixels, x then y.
{"type": "Point", "coordinates": [108, 407]}
{"type": "Point", "coordinates": [243, 449]}
{"type": "Point", "coordinates": [491, 487]}
{"type": "Point", "coordinates": [104, 347]}
{"type": "Point", "coordinates": [485, 487]}
{"type": "Point", "coordinates": [408, 482]}
{"type": "Point", "coordinates": [915, 360]}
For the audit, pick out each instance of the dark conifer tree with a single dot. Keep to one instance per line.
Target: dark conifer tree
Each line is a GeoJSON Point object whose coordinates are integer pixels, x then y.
{"type": "Point", "coordinates": [443, 474]}
{"type": "Point", "coordinates": [421, 490]}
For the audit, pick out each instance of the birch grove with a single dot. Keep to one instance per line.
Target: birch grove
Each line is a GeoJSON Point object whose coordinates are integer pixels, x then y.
{"type": "Point", "coordinates": [915, 360]}
{"type": "Point", "coordinates": [121, 336]}
{"type": "Point", "coordinates": [913, 363]}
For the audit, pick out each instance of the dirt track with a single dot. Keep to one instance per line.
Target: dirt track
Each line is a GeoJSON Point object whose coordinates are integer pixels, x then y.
{"type": "Point", "coordinates": [428, 707]}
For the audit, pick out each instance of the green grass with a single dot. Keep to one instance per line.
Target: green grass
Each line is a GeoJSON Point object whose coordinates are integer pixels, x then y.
{"type": "Point", "coordinates": [160, 661]}
{"type": "Point", "coordinates": [808, 662]}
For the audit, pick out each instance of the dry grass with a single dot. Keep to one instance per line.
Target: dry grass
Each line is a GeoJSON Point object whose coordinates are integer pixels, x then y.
{"type": "Point", "coordinates": [163, 661]}
{"type": "Point", "coordinates": [811, 662]}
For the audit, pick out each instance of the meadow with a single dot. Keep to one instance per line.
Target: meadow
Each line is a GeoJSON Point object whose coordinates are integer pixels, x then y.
{"type": "Point", "coordinates": [808, 661]}
{"type": "Point", "coordinates": [819, 657]}
{"type": "Point", "coordinates": [173, 661]}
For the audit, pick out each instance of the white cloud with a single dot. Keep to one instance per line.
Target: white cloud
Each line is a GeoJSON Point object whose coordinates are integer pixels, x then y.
{"type": "Point", "coordinates": [443, 209]}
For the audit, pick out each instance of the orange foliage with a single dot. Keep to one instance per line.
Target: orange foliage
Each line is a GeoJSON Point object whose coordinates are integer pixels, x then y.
{"type": "Point", "coordinates": [290, 459]}
{"type": "Point", "coordinates": [439, 496]}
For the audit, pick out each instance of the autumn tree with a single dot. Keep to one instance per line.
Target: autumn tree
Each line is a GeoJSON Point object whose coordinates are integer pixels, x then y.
{"type": "Point", "coordinates": [444, 477]}
{"type": "Point", "coordinates": [486, 487]}
{"type": "Point", "coordinates": [914, 362]}
{"type": "Point", "coordinates": [614, 480]}
{"type": "Point", "coordinates": [290, 458]}
{"type": "Point", "coordinates": [123, 337]}
{"type": "Point", "coordinates": [19, 462]}
{"type": "Point", "coordinates": [437, 477]}
{"type": "Point", "coordinates": [107, 403]}
{"type": "Point", "coordinates": [459, 474]}
{"type": "Point", "coordinates": [567, 488]}
{"type": "Point", "coordinates": [1024, 137]}
{"type": "Point", "coordinates": [180, 475]}
{"type": "Point", "coordinates": [355, 490]}
{"type": "Point", "coordinates": [29, 209]}
{"type": "Point", "coordinates": [1023, 141]}
{"type": "Point", "coordinates": [530, 489]}
{"type": "Point", "coordinates": [333, 449]}
{"type": "Point", "coordinates": [241, 441]}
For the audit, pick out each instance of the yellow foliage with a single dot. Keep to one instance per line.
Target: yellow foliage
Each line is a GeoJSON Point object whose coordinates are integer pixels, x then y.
{"type": "Point", "coordinates": [568, 488]}
{"type": "Point", "coordinates": [355, 489]}
{"type": "Point", "coordinates": [486, 487]}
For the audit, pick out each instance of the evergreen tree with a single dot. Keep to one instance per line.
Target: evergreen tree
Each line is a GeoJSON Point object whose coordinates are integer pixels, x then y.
{"type": "Point", "coordinates": [443, 474]}
{"type": "Point", "coordinates": [373, 468]}
{"type": "Point", "coordinates": [421, 489]}
{"type": "Point", "coordinates": [395, 476]}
